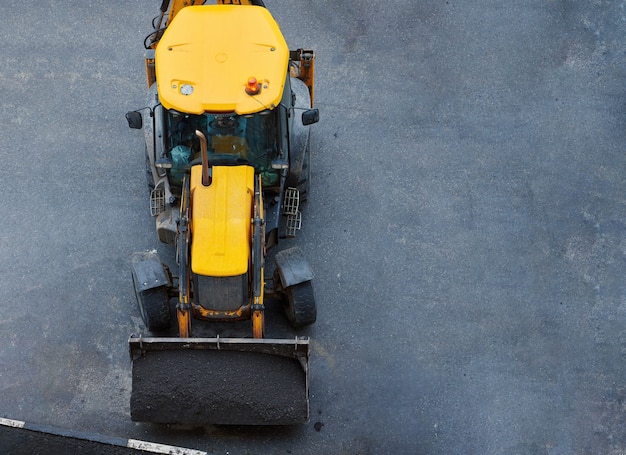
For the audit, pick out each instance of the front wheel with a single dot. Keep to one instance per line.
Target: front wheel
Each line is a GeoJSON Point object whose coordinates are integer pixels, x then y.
{"type": "Point", "coordinates": [154, 307]}
{"type": "Point", "coordinates": [300, 307]}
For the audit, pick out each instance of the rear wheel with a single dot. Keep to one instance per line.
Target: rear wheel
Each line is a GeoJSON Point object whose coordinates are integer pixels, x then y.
{"type": "Point", "coordinates": [154, 307]}
{"type": "Point", "coordinates": [149, 176]}
{"type": "Point", "coordinates": [305, 179]}
{"type": "Point", "coordinates": [300, 306]}
{"type": "Point", "coordinates": [300, 175]}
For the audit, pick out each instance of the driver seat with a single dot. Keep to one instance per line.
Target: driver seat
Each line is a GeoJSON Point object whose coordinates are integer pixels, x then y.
{"type": "Point", "coordinates": [230, 145]}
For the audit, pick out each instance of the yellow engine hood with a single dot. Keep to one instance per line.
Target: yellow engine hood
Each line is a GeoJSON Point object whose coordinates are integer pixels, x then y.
{"type": "Point", "coordinates": [221, 214]}
{"type": "Point", "coordinates": [208, 53]}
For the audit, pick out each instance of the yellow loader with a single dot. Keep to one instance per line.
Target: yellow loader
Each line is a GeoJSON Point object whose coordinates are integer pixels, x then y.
{"type": "Point", "coordinates": [228, 163]}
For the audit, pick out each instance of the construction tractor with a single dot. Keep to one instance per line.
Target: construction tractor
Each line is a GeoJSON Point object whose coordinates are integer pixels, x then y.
{"type": "Point", "coordinates": [228, 163]}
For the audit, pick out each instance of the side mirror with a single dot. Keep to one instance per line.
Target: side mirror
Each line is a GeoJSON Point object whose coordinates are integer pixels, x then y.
{"type": "Point", "coordinates": [163, 163]}
{"type": "Point", "coordinates": [280, 163]}
{"type": "Point", "coordinates": [134, 120]}
{"type": "Point", "coordinates": [310, 117]}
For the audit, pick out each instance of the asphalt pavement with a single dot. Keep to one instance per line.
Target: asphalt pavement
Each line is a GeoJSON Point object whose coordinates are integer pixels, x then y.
{"type": "Point", "coordinates": [466, 225]}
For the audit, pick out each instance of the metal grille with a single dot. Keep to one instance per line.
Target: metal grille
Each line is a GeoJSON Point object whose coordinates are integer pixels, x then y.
{"type": "Point", "coordinates": [157, 201]}
{"type": "Point", "coordinates": [294, 222]}
{"type": "Point", "coordinates": [291, 202]}
{"type": "Point", "coordinates": [291, 205]}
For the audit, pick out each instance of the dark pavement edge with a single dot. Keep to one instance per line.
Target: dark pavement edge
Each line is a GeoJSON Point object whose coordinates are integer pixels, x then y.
{"type": "Point", "coordinates": [18, 437]}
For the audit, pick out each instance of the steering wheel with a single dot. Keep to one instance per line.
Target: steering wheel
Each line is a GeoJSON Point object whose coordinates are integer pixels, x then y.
{"type": "Point", "coordinates": [220, 124]}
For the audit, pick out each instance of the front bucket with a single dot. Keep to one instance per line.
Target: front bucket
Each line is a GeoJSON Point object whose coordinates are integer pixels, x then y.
{"type": "Point", "coordinates": [231, 381]}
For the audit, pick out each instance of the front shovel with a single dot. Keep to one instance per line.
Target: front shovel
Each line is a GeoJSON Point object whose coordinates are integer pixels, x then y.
{"type": "Point", "coordinates": [232, 381]}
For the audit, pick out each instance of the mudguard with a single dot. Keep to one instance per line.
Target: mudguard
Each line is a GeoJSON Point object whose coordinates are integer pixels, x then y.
{"type": "Point", "coordinates": [292, 267]}
{"type": "Point", "coordinates": [148, 271]}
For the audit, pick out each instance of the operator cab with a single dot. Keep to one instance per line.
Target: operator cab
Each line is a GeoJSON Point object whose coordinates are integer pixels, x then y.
{"type": "Point", "coordinates": [232, 139]}
{"type": "Point", "coordinates": [241, 120]}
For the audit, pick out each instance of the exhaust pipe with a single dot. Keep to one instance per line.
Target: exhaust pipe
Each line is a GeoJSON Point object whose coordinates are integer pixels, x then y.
{"type": "Point", "coordinates": [206, 177]}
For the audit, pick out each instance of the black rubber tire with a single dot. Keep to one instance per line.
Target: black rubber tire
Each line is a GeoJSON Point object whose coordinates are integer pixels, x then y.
{"type": "Point", "coordinates": [304, 185]}
{"type": "Point", "coordinates": [149, 177]}
{"type": "Point", "coordinates": [154, 307]}
{"type": "Point", "coordinates": [301, 179]}
{"type": "Point", "coordinates": [300, 307]}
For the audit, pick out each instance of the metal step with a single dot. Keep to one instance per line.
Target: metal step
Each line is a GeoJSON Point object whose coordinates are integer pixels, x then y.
{"type": "Point", "coordinates": [291, 208]}
{"type": "Point", "coordinates": [157, 201]}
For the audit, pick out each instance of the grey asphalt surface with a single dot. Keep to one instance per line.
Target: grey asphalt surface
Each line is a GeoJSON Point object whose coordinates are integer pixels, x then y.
{"type": "Point", "coordinates": [466, 225]}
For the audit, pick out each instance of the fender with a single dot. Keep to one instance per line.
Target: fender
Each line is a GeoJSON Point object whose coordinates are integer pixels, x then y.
{"type": "Point", "coordinates": [292, 267]}
{"type": "Point", "coordinates": [148, 271]}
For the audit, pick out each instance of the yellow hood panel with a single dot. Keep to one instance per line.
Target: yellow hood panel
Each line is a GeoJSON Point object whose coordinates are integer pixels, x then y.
{"type": "Point", "coordinates": [221, 214]}
{"type": "Point", "coordinates": [208, 53]}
